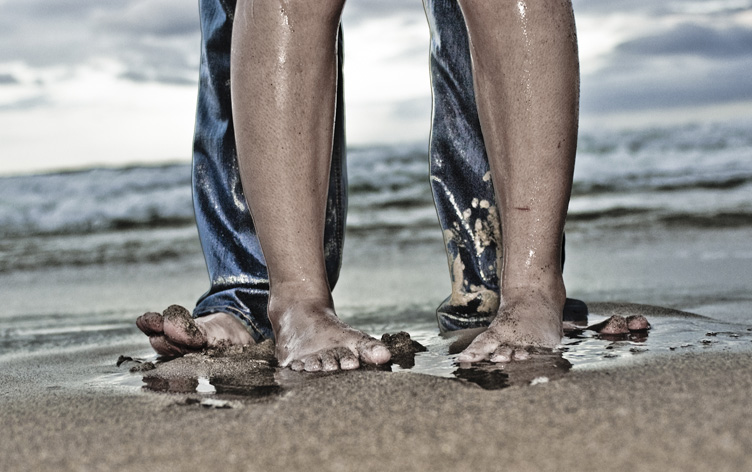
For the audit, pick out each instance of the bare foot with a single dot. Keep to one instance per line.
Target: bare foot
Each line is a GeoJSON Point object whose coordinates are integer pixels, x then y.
{"type": "Point", "coordinates": [310, 337]}
{"type": "Point", "coordinates": [618, 325]}
{"type": "Point", "coordinates": [614, 325]}
{"type": "Point", "coordinates": [525, 320]}
{"type": "Point", "coordinates": [637, 323]}
{"type": "Point", "coordinates": [175, 333]}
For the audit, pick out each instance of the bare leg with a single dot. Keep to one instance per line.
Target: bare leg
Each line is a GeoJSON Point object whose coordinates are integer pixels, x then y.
{"type": "Point", "coordinates": [283, 82]}
{"type": "Point", "coordinates": [526, 78]}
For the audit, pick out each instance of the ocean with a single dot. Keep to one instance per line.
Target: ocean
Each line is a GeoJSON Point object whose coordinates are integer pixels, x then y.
{"type": "Point", "coordinates": [60, 232]}
{"type": "Point", "coordinates": [689, 176]}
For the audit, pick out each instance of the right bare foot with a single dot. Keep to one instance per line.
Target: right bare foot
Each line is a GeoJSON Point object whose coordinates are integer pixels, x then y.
{"type": "Point", "coordinates": [310, 336]}
{"type": "Point", "coordinates": [526, 319]}
{"type": "Point", "coordinates": [175, 333]}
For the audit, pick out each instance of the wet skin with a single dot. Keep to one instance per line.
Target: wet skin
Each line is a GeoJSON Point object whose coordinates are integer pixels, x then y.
{"type": "Point", "coordinates": [283, 69]}
{"type": "Point", "coordinates": [526, 75]}
{"type": "Point", "coordinates": [284, 83]}
{"type": "Point", "coordinates": [174, 333]}
{"type": "Point", "coordinates": [302, 345]}
{"type": "Point", "coordinates": [310, 337]}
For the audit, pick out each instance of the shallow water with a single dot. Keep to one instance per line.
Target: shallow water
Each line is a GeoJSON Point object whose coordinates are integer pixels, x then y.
{"type": "Point", "coordinates": [669, 335]}
{"type": "Point", "coordinates": [659, 216]}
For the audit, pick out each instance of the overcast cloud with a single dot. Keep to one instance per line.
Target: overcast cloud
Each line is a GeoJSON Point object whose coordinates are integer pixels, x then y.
{"type": "Point", "coordinates": [685, 54]}
{"type": "Point", "coordinates": [136, 57]}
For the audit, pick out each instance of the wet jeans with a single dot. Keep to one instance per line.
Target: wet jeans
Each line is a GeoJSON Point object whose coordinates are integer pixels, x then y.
{"type": "Point", "coordinates": [460, 180]}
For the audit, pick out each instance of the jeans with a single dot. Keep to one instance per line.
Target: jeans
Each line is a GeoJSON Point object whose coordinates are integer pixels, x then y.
{"type": "Point", "coordinates": [460, 181]}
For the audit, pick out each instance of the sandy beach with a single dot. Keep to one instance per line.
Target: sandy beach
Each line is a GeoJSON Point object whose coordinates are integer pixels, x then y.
{"type": "Point", "coordinates": [676, 401]}
{"type": "Point", "coordinates": [105, 144]}
{"type": "Point", "coordinates": [686, 412]}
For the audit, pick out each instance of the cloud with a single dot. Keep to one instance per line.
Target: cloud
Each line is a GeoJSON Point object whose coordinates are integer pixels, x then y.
{"type": "Point", "coordinates": [359, 11]}
{"type": "Point", "coordinates": [27, 103]}
{"type": "Point", "coordinates": [668, 55]}
{"type": "Point", "coordinates": [663, 7]}
{"type": "Point", "coordinates": [151, 40]}
{"type": "Point", "coordinates": [148, 36]}
{"type": "Point", "coordinates": [162, 18]}
{"type": "Point", "coordinates": [666, 83]}
{"type": "Point", "coordinates": [8, 79]}
{"type": "Point", "coordinates": [693, 39]}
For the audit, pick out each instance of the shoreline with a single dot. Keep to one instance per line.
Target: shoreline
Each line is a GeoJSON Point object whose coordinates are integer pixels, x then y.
{"type": "Point", "coordinates": [683, 410]}
{"type": "Point", "coordinates": [688, 411]}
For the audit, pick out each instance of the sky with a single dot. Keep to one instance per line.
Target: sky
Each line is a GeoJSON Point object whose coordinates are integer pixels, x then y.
{"type": "Point", "coordinates": [93, 82]}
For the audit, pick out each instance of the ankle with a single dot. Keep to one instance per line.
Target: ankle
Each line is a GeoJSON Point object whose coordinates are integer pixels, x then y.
{"type": "Point", "coordinates": [549, 287]}
{"type": "Point", "coordinates": [222, 326]}
{"type": "Point", "coordinates": [286, 295]}
{"type": "Point", "coordinates": [299, 290]}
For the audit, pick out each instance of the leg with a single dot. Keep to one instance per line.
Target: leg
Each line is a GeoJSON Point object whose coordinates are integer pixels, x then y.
{"type": "Point", "coordinates": [460, 176]}
{"type": "Point", "coordinates": [237, 270]}
{"type": "Point", "coordinates": [526, 80]}
{"type": "Point", "coordinates": [284, 84]}
{"type": "Point", "coordinates": [461, 180]}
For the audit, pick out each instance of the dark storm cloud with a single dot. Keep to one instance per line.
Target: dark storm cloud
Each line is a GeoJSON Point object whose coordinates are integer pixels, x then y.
{"type": "Point", "coordinates": [693, 39]}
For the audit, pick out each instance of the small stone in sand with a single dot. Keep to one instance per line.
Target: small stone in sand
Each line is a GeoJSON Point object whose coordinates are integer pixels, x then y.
{"type": "Point", "coordinates": [144, 367]}
{"type": "Point", "coordinates": [402, 348]}
{"type": "Point", "coordinates": [400, 344]}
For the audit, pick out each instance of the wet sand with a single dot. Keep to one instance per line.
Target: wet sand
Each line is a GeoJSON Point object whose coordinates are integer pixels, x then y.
{"type": "Point", "coordinates": [62, 407]}
{"type": "Point", "coordinates": [677, 412]}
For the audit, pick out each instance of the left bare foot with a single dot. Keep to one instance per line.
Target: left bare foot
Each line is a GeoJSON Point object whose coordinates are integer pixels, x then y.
{"type": "Point", "coordinates": [526, 319]}
{"type": "Point", "coordinates": [175, 333]}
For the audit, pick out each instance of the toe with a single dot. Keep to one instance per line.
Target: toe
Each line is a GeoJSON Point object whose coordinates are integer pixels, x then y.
{"type": "Point", "coordinates": [329, 362]}
{"type": "Point", "coordinates": [374, 352]}
{"type": "Point", "coordinates": [637, 323]}
{"type": "Point", "coordinates": [616, 325]}
{"type": "Point", "coordinates": [569, 327]}
{"type": "Point", "coordinates": [312, 363]}
{"type": "Point", "coordinates": [469, 355]}
{"type": "Point", "coordinates": [479, 350]}
{"type": "Point", "coordinates": [502, 354]}
{"type": "Point", "coordinates": [347, 359]}
{"type": "Point", "coordinates": [179, 328]}
{"type": "Point", "coordinates": [297, 365]}
{"type": "Point", "coordinates": [164, 347]}
{"type": "Point", "coordinates": [520, 355]}
{"type": "Point", "coordinates": [150, 324]}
